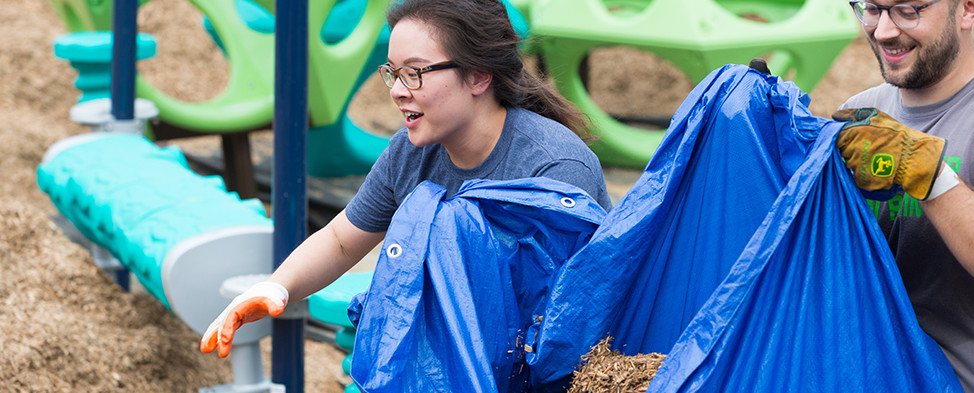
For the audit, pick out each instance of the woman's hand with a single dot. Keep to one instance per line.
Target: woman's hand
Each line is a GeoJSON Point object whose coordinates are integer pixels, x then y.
{"type": "Point", "coordinates": [263, 299]}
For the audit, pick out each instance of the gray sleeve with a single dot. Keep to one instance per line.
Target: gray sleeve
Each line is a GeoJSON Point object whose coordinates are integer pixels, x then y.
{"type": "Point", "coordinates": [580, 175]}
{"type": "Point", "coordinates": [372, 207]}
{"type": "Point", "coordinates": [883, 96]}
{"type": "Point", "coordinates": [853, 102]}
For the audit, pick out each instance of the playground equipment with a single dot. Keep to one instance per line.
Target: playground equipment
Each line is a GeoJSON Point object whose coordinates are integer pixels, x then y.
{"type": "Point", "coordinates": [85, 15]}
{"type": "Point", "coordinates": [247, 102]}
{"type": "Point", "coordinates": [348, 39]}
{"type": "Point", "coordinates": [330, 305]}
{"type": "Point", "coordinates": [181, 235]}
{"type": "Point", "coordinates": [800, 38]}
{"type": "Point", "coordinates": [244, 30]}
{"type": "Point", "coordinates": [74, 186]}
{"type": "Point", "coordinates": [90, 52]}
{"type": "Point", "coordinates": [191, 244]}
{"type": "Point", "coordinates": [166, 258]}
{"type": "Point", "coordinates": [337, 146]}
{"type": "Point", "coordinates": [96, 114]}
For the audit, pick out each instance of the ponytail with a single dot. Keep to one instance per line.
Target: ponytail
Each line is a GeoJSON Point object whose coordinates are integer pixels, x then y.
{"type": "Point", "coordinates": [535, 95]}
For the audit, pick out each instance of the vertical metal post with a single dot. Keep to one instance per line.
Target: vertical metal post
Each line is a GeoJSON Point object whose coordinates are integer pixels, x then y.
{"type": "Point", "coordinates": [290, 169]}
{"type": "Point", "coordinates": [124, 29]}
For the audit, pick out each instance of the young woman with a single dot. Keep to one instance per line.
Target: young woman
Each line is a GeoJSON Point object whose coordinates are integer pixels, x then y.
{"type": "Point", "coordinates": [471, 111]}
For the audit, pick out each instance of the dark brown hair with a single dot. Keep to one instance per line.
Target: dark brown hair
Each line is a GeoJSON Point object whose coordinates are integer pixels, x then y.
{"type": "Point", "coordinates": [477, 35]}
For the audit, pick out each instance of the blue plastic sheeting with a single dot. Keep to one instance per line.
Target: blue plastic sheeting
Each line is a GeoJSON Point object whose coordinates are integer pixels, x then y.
{"type": "Point", "coordinates": [459, 282]}
{"type": "Point", "coordinates": [746, 254]}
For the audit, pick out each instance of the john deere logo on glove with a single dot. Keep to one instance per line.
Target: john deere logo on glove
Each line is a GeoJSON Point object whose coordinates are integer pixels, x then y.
{"type": "Point", "coordinates": [900, 155]}
{"type": "Point", "coordinates": [882, 165]}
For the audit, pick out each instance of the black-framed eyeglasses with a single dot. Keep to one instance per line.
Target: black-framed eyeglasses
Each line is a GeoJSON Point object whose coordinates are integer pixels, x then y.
{"type": "Point", "coordinates": [411, 77]}
{"type": "Point", "coordinates": [905, 16]}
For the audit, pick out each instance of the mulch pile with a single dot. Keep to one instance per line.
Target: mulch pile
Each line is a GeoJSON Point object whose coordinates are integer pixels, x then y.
{"type": "Point", "coordinates": [607, 370]}
{"type": "Point", "coordinates": [66, 327]}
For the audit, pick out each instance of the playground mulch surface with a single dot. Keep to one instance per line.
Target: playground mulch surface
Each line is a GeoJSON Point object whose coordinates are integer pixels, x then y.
{"type": "Point", "coordinates": [607, 370]}
{"type": "Point", "coordinates": [66, 327]}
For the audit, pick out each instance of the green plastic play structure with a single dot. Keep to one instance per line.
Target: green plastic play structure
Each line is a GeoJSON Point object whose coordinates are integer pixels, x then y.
{"type": "Point", "coordinates": [350, 36]}
{"type": "Point", "coordinates": [85, 15]}
{"type": "Point", "coordinates": [337, 146]}
{"type": "Point", "coordinates": [247, 102]}
{"type": "Point", "coordinates": [348, 39]}
{"type": "Point", "coordinates": [800, 38]}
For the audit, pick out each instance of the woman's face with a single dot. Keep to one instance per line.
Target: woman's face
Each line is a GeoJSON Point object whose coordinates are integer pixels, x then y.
{"type": "Point", "coordinates": [439, 110]}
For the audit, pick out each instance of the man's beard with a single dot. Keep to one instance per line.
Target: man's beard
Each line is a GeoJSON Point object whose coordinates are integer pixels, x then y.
{"type": "Point", "coordinates": [933, 62]}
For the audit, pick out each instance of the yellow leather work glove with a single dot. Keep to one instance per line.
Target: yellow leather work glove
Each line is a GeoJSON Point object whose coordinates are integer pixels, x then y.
{"type": "Point", "coordinates": [882, 152]}
{"type": "Point", "coordinates": [263, 299]}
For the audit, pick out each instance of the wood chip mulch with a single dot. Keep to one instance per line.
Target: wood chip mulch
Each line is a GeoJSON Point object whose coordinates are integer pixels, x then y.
{"type": "Point", "coordinates": [610, 371]}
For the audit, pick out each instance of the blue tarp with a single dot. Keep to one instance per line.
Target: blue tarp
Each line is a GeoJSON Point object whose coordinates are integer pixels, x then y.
{"type": "Point", "coordinates": [744, 252]}
{"type": "Point", "coordinates": [459, 282]}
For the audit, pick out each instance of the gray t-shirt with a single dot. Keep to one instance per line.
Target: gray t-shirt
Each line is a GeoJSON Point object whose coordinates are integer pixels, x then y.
{"type": "Point", "coordinates": [941, 291]}
{"type": "Point", "coordinates": [530, 145]}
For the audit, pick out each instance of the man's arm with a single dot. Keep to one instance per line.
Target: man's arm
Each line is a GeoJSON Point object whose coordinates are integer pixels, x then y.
{"type": "Point", "coordinates": [952, 213]}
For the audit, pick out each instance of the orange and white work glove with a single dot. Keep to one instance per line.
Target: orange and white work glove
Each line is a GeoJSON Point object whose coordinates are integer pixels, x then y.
{"type": "Point", "coordinates": [263, 299]}
{"type": "Point", "coordinates": [883, 153]}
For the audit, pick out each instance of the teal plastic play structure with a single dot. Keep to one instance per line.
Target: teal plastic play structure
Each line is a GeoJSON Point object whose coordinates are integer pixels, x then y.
{"type": "Point", "coordinates": [138, 200]}
{"type": "Point", "coordinates": [330, 305]}
{"type": "Point", "coordinates": [800, 38]}
{"type": "Point", "coordinates": [337, 145]}
{"type": "Point", "coordinates": [90, 52]}
{"type": "Point", "coordinates": [181, 235]}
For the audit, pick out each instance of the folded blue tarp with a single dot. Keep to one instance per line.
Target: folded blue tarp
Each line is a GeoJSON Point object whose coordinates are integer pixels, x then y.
{"type": "Point", "coordinates": [746, 254]}
{"type": "Point", "coordinates": [459, 282]}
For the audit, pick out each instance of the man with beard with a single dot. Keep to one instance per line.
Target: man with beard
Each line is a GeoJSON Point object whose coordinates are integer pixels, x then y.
{"type": "Point", "coordinates": [926, 54]}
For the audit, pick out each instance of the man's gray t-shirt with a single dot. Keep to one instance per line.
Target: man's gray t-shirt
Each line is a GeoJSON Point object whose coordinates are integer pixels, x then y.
{"type": "Point", "coordinates": [530, 145]}
{"type": "Point", "coordinates": [940, 289]}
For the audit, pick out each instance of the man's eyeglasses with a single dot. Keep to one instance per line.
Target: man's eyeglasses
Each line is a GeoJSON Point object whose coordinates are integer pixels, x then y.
{"type": "Point", "coordinates": [411, 77]}
{"type": "Point", "coordinates": [905, 16]}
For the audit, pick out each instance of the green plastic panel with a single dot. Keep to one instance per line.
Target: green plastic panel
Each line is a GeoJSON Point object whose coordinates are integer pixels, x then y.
{"type": "Point", "coordinates": [800, 38]}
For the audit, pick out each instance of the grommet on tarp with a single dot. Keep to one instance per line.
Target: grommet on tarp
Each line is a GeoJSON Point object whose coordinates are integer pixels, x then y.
{"type": "Point", "coordinates": [394, 250]}
{"type": "Point", "coordinates": [567, 202]}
